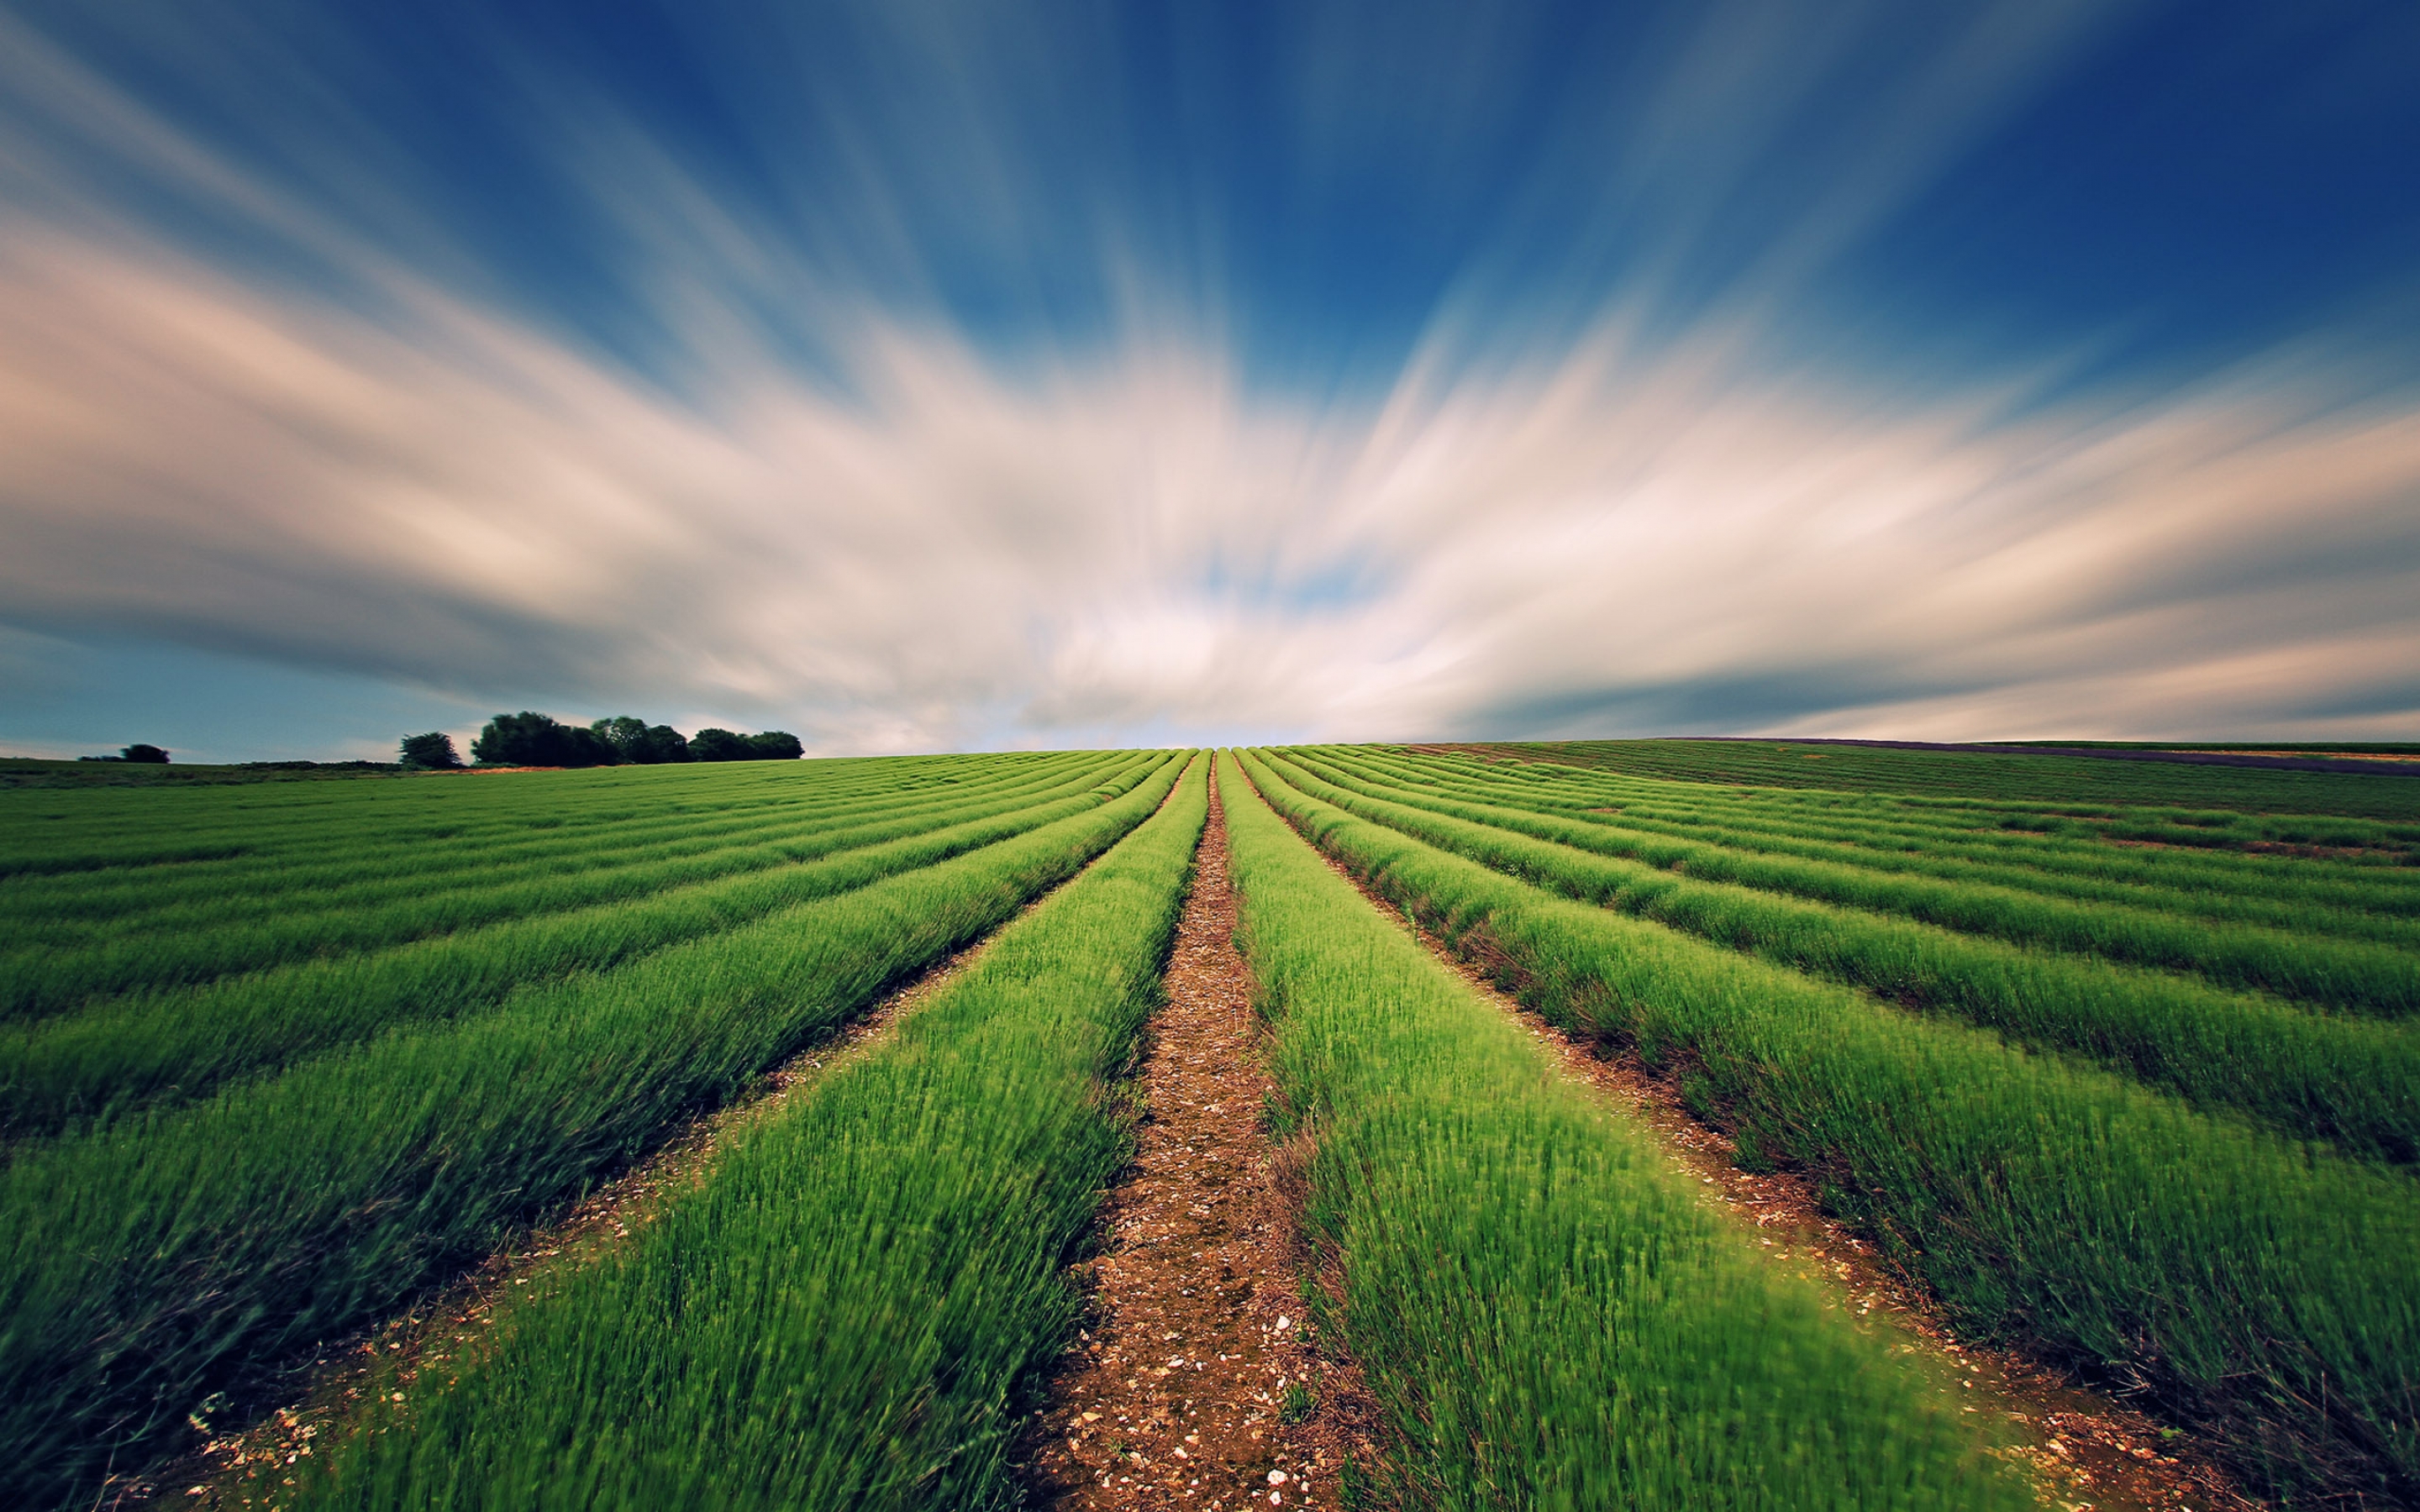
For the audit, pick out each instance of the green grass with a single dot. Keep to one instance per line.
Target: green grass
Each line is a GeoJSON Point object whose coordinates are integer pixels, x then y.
{"type": "Point", "coordinates": [260, 833]}
{"type": "Point", "coordinates": [181, 1252]}
{"type": "Point", "coordinates": [2348, 1080]}
{"type": "Point", "coordinates": [332, 848]}
{"type": "Point", "coordinates": [292, 859]}
{"type": "Point", "coordinates": [2245, 1284]}
{"type": "Point", "coordinates": [1548, 1315]}
{"type": "Point", "coordinates": [841, 1316]}
{"type": "Point", "coordinates": [2013, 777]}
{"type": "Point", "coordinates": [85, 1068]}
{"type": "Point", "coordinates": [2356, 975]}
{"type": "Point", "coordinates": [49, 975]}
{"type": "Point", "coordinates": [2289, 894]}
{"type": "Point", "coordinates": [2074, 838]}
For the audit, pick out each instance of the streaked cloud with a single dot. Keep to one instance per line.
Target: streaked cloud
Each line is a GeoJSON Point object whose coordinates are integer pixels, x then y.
{"type": "Point", "coordinates": [797, 458]}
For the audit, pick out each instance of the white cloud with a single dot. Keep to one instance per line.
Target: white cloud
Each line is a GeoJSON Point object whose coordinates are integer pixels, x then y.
{"type": "Point", "coordinates": [911, 542]}
{"type": "Point", "coordinates": [951, 554]}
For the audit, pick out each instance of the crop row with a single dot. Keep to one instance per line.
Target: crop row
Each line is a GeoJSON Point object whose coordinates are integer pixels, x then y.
{"type": "Point", "coordinates": [1989, 835]}
{"type": "Point", "coordinates": [2248, 1283]}
{"type": "Point", "coordinates": [48, 980]}
{"type": "Point", "coordinates": [145, 1266]}
{"type": "Point", "coordinates": [2353, 976]}
{"type": "Point", "coordinates": [837, 1315]}
{"type": "Point", "coordinates": [2368, 904]}
{"type": "Point", "coordinates": [2032, 780]}
{"type": "Point", "coordinates": [348, 858]}
{"type": "Point", "coordinates": [150, 1048]}
{"type": "Point", "coordinates": [1548, 1316]}
{"type": "Point", "coordinates": [241, 830]}
{"type": "Point", "coordinates": [2354, 1081]}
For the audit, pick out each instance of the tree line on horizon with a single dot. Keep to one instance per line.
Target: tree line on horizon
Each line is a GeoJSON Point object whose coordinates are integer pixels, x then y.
{"type": "Point", "coordinates": [533, 739]}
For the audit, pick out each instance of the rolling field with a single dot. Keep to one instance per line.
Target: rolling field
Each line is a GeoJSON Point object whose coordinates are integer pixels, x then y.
{"type": "Point", "coordinates": [2116, 1070]}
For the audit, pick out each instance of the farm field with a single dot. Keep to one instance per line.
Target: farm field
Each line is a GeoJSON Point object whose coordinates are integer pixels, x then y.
{"type": "Point", "coordinates": [2120, 1080]}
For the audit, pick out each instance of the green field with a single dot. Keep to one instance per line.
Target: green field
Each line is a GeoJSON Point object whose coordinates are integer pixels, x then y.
{"type": "Point", "coordinates": [2116, 1060]}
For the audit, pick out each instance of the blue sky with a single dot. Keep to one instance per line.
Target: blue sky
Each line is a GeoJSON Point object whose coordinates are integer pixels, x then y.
{"type": "Point", "coordinates": [924, 376]}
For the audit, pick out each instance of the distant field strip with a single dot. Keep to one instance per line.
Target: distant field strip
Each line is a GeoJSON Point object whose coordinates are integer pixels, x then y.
{"type": "Point", "coordinates": [2015, 847]}
{"type": "Point", "coordinates": [148, 1263]}
{"type": "Point", "coordinates": [2253, 1285]}
{"type": "Point", "coordinates": [229, 832]}
{"type": "Point", "coordinates": [77, 906]}
{"type": "Point", "coordinates": [2079, 829]}
{"type": "Point", "coordinates": [2355, 976]}
{"type": "Point", "coordinates": [2369, 903]}
{"type": "Point", "coordinates": [175, 1045]}
{"type": "Point", "coordinates": [2309, 807]}
{"type": "Point", "coordinates": [2350, 1080]}
{"type": "Point", "coordinates": [838, 1316]}
{"type": "Point", "coordinates": [371, 905]}
{"type": "Point", "coordinates": [1547, 1312]}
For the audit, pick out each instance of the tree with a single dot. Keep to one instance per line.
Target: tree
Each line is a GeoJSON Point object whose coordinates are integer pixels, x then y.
{"type": "Point", "coordinates": [533, 739]}
{"type": "Point", "coordinates": [712, 744]}
{"type": "Point", "coordinates": [641, 743]}
{"type": "Point", "coordinates": [431, 752]}
{"type": "Point", "coordinates": [150, 755]}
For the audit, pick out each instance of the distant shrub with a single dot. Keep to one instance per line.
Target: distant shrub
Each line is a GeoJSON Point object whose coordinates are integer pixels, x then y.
{"type": "Point", "coordinates": [642, 744]}
{"type": "Point", "coordinates": [532, 739]}
{"type": "Point", "coordinates": [713, 745]}
{"type": "Point", "coordinates": [431, 752]}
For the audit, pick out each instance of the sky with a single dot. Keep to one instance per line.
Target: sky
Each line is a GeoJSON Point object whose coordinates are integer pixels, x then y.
{"type": "Point", "coordinates": [934, 376]}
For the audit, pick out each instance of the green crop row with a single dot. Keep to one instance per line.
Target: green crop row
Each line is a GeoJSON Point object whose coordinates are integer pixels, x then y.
{"type": "Point", "coordinates": [338, 859]}
{"type": "Point", "coordinates": [1547, 1314]}
{"type": "Point", "coordinates": [43, 981]}
{"type": "Point", "coordinates": [149, 1265]}
{"type": "Point", "coordinates": [54, 833]}
{"type": "Point", "coordinates": [2250, 1285]}
{"type": "Point", "coordinates": [2355, 976]}
{"type": "Point", "coordinates": [838, 1316]}
{"type": "Point", "coordinates": [88, 1067]}
{"type": "Point", "coordinates": [2035, 779]}
{"type": "Point", "coordinates": [2354, 1081]}
{"type": "Point", "coordinates": [1872, 844]}
{"type": "Point", "coordinates": [1991, 834]}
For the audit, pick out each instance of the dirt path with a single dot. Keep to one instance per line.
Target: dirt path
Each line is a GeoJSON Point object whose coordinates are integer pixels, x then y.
{"type": "Point", "coordinates": [1194, 1382]}
{"type": "Point", "coordinates": [2083, 1451]}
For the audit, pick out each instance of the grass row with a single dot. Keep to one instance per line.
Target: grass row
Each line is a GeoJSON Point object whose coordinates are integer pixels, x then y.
{"type": "Point", "coordinates": [841, 1314]}
{"type": "Point", "coordinates": [45, 980]}
{"type": "Point", "coordinates": [2273, 895]}
{"type": "Point", "coordinates": [235, 831]}
{"type": "Point", "coordinates": [2060, 845]}
{"type": "Point", "coordinates": [2325, 806]}
{"type": "Point", "coordinates": [2353, 976]}
{"type": "Point", "coordinates": [342, 862]}
{"type": "Point", "coordinates": [85, 1068]}
{"type": "Point", "coordinates": [166, 1257]}
{"type": "Point", "coordinates": [2247, 1284]}
{"type": "Point", "coordinates": [1548, 1313]}
{"type": "Point", "coordinates": [2354, 1081]}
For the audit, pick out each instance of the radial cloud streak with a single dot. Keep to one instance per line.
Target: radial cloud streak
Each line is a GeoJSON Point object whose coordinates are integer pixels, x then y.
{"type": "Point", "coordinates": [906, 444]}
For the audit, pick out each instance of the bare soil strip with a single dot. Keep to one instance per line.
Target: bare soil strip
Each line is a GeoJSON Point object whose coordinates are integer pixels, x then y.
{"type": "Point", "coordinates": [1195, 1381]}
{"type": "Point", "coordinates": [246, 1469]}
{"type": "Point", "coordinates": [2083, 1451]}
